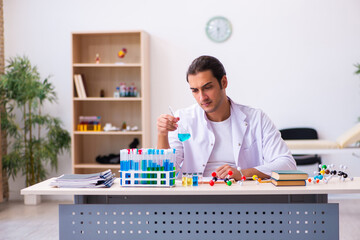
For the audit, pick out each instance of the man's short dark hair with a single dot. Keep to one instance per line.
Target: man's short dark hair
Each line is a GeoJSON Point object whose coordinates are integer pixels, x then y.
{"type": "Point", "coordinates": [204, 63]}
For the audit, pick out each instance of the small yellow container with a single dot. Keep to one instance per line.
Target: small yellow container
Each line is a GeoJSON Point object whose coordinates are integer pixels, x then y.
{"type": "Point", "coordinates": [189, 180]}
{"type": "Point", "coordinates": [184, 180]}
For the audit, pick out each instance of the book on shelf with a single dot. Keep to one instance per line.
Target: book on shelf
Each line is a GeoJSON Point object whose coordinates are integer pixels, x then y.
{"type": "Point", "coordinates": [94, 180]}
{"type": "Point", "coordinates": [80, 86]}
{"type": "Point", "coordinates": [289, 175]}
{"type": "Point", "coordinates": [288, 182]}
{"type": "Point", "coordinates": [77, 86]}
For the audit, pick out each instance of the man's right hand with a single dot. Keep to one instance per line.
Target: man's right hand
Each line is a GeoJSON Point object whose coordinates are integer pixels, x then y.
{"type": "Point", "coordinates": [166, 123]}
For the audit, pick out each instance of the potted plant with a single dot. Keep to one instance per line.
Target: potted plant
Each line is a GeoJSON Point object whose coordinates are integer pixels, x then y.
{"type": "Point", "coordinates": [34, 138]}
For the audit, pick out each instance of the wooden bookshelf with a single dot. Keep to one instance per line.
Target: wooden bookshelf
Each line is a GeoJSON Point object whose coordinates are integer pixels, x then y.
{"type": "Point", "coordinates": [105, 76]}
{"type": "Point", "coordinates": [128, 133]}
{"type": "Point", "coordinates": [104, 99]}
{"type": "Point", "coordinates": [99, 65]}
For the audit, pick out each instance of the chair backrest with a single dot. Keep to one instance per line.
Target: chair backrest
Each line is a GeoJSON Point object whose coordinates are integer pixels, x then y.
{"type": "Point", "coordinates": [298, 133]}
{"type": "Point", "coordinates": [302, 134]}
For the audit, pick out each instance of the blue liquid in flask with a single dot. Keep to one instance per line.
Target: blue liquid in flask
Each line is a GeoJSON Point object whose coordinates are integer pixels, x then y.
{"type": "Point", "coordinates": [183, 136]}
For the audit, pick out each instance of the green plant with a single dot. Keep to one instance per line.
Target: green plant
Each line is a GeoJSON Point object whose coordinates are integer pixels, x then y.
{"type": "Point", "coordinates": [34, 139]}
{"type": "Point", "coordinates": [358, 68]}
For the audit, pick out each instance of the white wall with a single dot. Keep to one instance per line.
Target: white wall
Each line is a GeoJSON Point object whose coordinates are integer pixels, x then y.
{"type": "Point", "coordinates": [293, 59]}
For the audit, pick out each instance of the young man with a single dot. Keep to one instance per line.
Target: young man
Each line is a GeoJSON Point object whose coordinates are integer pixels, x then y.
{"type": "Point", "coordinates": [224, 135]}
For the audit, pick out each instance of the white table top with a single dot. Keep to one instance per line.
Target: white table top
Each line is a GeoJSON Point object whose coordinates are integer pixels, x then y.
{"type": "Point", "coordinates": [248, 188]}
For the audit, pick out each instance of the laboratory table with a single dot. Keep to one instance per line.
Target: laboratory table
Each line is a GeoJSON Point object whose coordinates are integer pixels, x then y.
{"type": "Point", "coordinates": [247, 211]}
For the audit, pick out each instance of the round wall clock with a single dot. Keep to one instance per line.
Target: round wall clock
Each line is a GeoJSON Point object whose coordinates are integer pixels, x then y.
{"type": "Point", "coordinates": [218, 29]}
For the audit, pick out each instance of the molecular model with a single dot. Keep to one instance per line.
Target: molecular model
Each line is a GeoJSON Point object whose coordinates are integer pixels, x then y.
{"type": "Point", "coordinates": [254, 177]}
{"type": "Point", "coordinates": [327, 172]}
{"type": "Point", "coordinates": [226, 180]}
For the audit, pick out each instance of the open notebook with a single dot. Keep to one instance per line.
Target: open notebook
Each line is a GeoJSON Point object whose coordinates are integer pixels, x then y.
{"type": "Point", "coordinates": [345, 140]}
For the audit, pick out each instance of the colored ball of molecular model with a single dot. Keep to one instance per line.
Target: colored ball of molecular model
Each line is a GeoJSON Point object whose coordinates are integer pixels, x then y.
{"type": "Point", "coordinates": [122, 53]}
{"type": "Point", "coordinates": [257, 179]}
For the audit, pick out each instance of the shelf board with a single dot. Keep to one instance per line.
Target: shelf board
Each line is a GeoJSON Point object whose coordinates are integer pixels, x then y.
{"type": "Point", "coordinates": [117, 32]}
{"type": "Point", "coordinates": [109, 99]}
{"type": "Point", "coordinates": [108, 133]}
{"type": "Point", "coordinates": [106, 65]}
{"type": "Point", "coordinates": [95, 165]}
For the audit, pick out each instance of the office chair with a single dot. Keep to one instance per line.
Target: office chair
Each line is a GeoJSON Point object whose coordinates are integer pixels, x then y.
{"type": "Point", "coordinates": [302, 134]}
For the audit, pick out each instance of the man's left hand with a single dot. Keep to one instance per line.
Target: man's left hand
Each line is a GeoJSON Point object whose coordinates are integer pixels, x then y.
{"type": "Point", "coordinates": [222, 172]}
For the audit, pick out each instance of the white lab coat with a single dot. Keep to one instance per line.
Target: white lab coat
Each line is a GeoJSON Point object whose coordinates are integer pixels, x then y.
{"type": "Point", "coordinates": [256, 141]}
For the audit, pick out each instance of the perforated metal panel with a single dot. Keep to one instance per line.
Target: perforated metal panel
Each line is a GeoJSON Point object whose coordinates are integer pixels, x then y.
{"type": "Point", "coordinates": [199, 221]}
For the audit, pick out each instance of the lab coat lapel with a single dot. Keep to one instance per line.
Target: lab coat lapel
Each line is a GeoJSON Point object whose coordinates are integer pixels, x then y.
{"type": "Point", "coordinates": [208, 138]}
{"type": "Point", "coordinates": [238, 128]}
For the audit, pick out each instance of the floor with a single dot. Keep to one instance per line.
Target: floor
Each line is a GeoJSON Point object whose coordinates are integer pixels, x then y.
{"type": "Point", "coordinates": [40, 222]}
{"type": "Point", "coordinates": [18, 221]}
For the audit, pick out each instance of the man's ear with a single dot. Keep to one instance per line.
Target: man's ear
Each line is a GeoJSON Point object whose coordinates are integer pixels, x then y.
{"type": "Point", "coordinates": [224, 82]}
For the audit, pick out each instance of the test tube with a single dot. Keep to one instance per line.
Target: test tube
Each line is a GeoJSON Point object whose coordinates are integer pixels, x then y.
{"type": "Point", "coordinates": [137, 164]}
{"type": "Point", "coordinates": [184, 180]}
{"type": "Point", "coordinates": [189, 180]}
{"type": "Point", "coordinates": [168, 160]}
{"type": "Point", "coordinates": [172, 166]}
{"type": "Point", "coordinates": [127, 168]}
{"type": "Point", "coordinates": [161, 166]}
{"type": "Point", "coordinates": [149, 165]}
{"type": "Point", "coordinates": [195, 179]}
{"type": "Point", "coordinates": [200, 175]}
{"type": "Point", "coordinates": [158, 157]}
{"type": "Point", "coordinates": [123, 156]}
{"type": "Point", "coordinates": [153, 168]}
{"type": "Point", "coordinates": [143, 165]}
{"type": "Point", "coordinates": [131, 159]}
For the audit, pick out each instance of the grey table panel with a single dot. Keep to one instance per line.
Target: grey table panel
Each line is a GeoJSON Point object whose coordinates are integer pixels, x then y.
{"type": "Point", "coordinates": [199, 221]}
{"type": "Point", "coordinates": [164, 199]}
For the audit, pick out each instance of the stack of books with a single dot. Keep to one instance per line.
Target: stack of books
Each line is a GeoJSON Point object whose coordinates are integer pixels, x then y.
{"type": "Point", "coordinates": [94, 180]}
{"type": "Point", "coordinates": [289, 178]}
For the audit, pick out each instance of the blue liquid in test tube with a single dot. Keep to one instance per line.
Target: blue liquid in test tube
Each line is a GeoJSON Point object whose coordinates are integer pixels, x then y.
{"type": "Point", "coordinates": [195, 180]}
{"type": "Point", "coordinates": [136, 174]}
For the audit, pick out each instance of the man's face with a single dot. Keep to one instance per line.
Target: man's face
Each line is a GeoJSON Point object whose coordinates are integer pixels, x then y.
{"type": "Point", "coordinates": [206, 90]}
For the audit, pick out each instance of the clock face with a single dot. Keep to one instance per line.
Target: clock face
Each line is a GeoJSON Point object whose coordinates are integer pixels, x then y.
{"type": "Point", "coordinates": [218, 29]}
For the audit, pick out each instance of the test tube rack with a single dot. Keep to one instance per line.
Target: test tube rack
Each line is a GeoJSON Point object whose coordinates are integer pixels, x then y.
{"type": "Point", "coordinates": [138, 178]}
{"type": "Point", "coordinates": [147, 167]}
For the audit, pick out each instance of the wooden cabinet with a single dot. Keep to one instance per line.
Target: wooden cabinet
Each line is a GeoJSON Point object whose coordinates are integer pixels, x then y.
{"type": "Point", "coordinates": [102, 79]}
